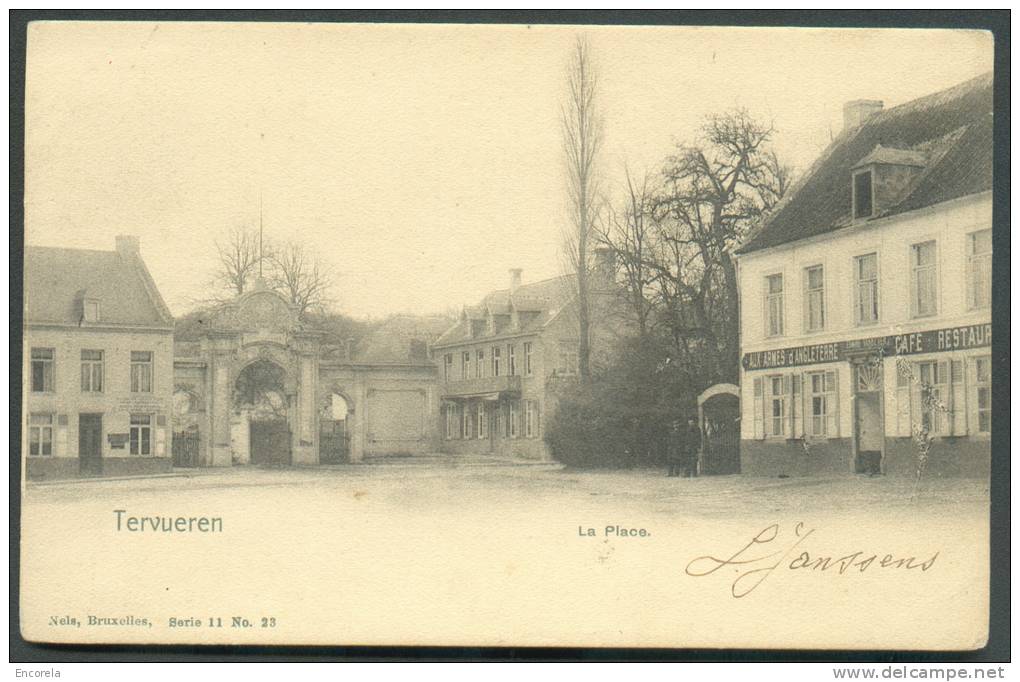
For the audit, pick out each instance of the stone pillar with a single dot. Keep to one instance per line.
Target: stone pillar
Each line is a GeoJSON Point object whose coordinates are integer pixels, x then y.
{"type": "Point", "coordinates": [305, 451]}
{"type": "Point", "coordinates": [358, 425]}
{"type": "Point", "coordinates": [219, 409]}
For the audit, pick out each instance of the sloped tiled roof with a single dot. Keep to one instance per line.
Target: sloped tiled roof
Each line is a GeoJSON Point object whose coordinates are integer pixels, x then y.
{"type": "Point", "coordinates": [951, 130]}
{"type": "Point", "coordinates": [55, 279]}
{"type": "Point", "coordinates": [391, 342]}
{"type": "Point", "coordinates": [536, 303]}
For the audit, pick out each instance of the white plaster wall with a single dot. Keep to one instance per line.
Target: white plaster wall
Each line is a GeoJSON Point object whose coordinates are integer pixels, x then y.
{"type": "Point", "coordinates": [948, 224]}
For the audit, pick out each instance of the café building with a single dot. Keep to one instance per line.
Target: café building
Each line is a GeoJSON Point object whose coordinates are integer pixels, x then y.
{"type": "Point", "coordinates": [866, 299]}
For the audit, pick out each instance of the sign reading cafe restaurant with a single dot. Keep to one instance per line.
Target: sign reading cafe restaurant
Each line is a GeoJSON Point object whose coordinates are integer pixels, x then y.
{"type": "Point", "coordinates": [932, 341]}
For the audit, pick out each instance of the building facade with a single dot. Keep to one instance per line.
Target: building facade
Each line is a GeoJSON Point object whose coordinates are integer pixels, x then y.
{"type": "Point", "coordinates": [98, 349]}
{"type": "Point", "coordinates": [502, 365]}
{"type": "Point", "coordinates": [866, 299]}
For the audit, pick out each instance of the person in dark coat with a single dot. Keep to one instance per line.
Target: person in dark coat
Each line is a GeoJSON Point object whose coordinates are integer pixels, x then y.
{"type": "Point", "coordinates": [691, 448]}
{"type": "Point", "coordinates": [675, 449]}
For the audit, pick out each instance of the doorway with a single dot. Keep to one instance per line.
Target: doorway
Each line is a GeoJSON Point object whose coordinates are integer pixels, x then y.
{"type": "Point", "coordinates": [90, 444]}
{"type": "Point", "coordinates": [869, 421]}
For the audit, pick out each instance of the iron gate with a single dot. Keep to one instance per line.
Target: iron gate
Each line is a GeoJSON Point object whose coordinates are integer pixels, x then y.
{"type": "Point", "coordinates": [270, 442]}
{"type": "Point", "coordinates": [334, 442]}
{"type": "Point", "coordinates": [185, 448]}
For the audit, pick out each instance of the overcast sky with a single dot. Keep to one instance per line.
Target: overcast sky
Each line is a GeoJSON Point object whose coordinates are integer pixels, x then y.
{"type": "Point", "coordinates": [421, 161]}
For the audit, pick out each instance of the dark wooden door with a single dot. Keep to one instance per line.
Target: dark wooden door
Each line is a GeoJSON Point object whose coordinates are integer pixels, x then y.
{"type": "Point", "coordinates": [270, 442]}
{"type": "Point", "coordinates": [333, 441]}
{"type": "Point", "coordinates": [90, 444]}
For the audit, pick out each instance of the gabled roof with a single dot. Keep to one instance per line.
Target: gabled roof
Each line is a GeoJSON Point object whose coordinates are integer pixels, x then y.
{"type": "Point", "coordinates": [57, 278]}
{"type": "Point", "coordinates": [536, 304]}
{"type": "Point", "coordinates": [950, 130]}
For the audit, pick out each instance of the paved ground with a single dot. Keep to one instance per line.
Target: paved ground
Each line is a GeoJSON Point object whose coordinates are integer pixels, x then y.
{"type": "Point", "coordinates": [447, 479]}
{"type": "Point", "coordinates": [467, 552]}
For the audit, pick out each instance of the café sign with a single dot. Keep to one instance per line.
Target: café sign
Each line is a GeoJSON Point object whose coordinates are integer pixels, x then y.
{"type": "Point", "coordinates": [931, 341]}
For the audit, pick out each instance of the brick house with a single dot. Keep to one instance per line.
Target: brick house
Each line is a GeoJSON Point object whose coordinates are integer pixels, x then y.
{"type": "Point", "coordinates": [868, 292]}
{"type": "Point", "coordinates": [98, 364]}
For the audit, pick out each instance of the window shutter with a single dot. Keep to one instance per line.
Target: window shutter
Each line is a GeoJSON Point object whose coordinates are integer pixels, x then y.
{"type": "Point", "coordinates": [832, 404]}
{"type": "Point", "coordinates": [902, 404]}
{"type": "Point", "coordinates": [788, 405]}
{"type": "Point", "coordinates": [945, 412]}
{"type": "Point", "coordinates": [797, 406]}
{"type": "Point", "coordinates": [759, 409]}
{"type": "Point", "coordinates": [959, 397]}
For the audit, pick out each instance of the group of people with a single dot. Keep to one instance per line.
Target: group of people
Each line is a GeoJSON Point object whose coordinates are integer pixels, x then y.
{"type": "Point", "coordinates": [682, 449]}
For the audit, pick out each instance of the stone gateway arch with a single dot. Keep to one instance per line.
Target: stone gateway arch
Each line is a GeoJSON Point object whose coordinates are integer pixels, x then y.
{"type": "Point", "coordinates": [261, 387]}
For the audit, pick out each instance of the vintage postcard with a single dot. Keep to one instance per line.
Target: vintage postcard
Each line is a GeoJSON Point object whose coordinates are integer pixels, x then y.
{"type": "Point", "coordinates": [506, 335]}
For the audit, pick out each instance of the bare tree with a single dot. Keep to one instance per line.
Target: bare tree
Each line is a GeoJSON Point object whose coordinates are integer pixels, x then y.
{"type": "Point", "coordinates": [304, 279]}
{"type": "Point", "coordinates": [238, 255]}
{"type": "Point", "coordinates": [628, 233]}
{"type": "Point", "coordinates": [714, 191]}
{"type": "Point", "coordinates": [582, 141]}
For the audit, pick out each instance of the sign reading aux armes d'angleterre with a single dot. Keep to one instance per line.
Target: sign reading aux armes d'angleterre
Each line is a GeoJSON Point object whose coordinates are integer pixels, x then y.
{"type": "Point", "coordinates": [932, 341]}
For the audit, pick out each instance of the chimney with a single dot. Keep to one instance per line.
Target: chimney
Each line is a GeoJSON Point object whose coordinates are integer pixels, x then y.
{"type": "Point", "coordinates": [605, 265]}
{"type": "Point", "coordinates": [515, 280]}
{"type": "Point", "coordinates": [127, 246]}
{"type": "Point", "coordinates": [858, 111]}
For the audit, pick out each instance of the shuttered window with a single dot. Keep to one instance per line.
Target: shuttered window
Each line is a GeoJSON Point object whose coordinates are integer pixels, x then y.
{"type": "Point", "coordinates": [759, 409]}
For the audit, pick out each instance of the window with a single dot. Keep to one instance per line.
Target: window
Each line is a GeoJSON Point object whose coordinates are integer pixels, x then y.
{"type": "Point", "coordinates": [90, 310]}
{"type": "Point", "coordinates": [511, 360]}
{"type": "Point", "coordinates": [775, 417]}
{"type": "Point", "coordinates": [821, 390]}
{"type": "Point", "coordinates": [140, 434]}
{"type": "Point", "coordinates": [568, 359]}
{"type": "Point", "coordinates": [931, 377]}
{"type": "Point", "coordinates": [527, 359]}
{"type": "Point", "coordinates": [42, 370]}
{"type": "Point", "coordinates": [447, 366]}
{"type": "Point", "coordinates": [982, 396]}
{"type": "Point", "coordinates": [499, 420]}
{"type": "Point", "coordinates": [141, 371]}
{"type": "Point", "coordinates": [923, 279]}
{"type": "Point", "coordinates": [480, 364]}
{"type": "Point", "coordinates": [483, 421]}
{"type": "Point", "coordinates": [774, 305]}
{"type": "Point", "coordinates": [92, 371]}
{"type": "Point", "coordinates": [451, 422]}
{"type": "Point", "coordinates": [863, 204]}
{"type": "Point", "coordinates": [530, 419]}
{"type": "Point", "coordinates": [465, 365]}
{"type": "Point", "coordinates": [40, 434]}
{"type": "Point", "coordinates": [979, 269]}
{"type": "Point", "coordinates": [814, 299]}
{"type": "Point", "coordinates": [512, 421]}
{"type": "Point", "coordinates": [866, 289]}
{"type": "Point", "coordinates": [495, 361]}
{"type": "Point", "coordinates": [465, 422]}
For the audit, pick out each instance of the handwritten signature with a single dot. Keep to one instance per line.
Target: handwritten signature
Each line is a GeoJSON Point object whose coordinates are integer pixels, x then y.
{"type": "Point", "coordinates": [765, 553]}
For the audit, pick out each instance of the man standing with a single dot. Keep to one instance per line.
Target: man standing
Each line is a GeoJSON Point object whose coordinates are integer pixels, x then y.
{"type": "Point", "coordinates": [675, 449]}
{"type": "Point", "coordinates": [692, 446]}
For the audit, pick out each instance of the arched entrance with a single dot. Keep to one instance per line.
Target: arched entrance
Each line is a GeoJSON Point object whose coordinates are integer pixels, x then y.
{"type": "Point", "coordinates": [334, 439]}
{"type": "Point", "coordinates": [719, 414]}
{"type": "Point", "coordinates": [261, 432]}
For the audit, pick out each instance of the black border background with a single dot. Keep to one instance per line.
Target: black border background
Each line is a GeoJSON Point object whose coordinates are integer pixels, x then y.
{"type": "Point", "coordinates": [998, 647]}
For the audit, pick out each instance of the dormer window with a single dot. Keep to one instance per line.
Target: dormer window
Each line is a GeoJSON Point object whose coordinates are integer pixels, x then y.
{"type": "Point", "coordinates": [864, 204]}
{"type": "Point", "coordinates": [90, 310]}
